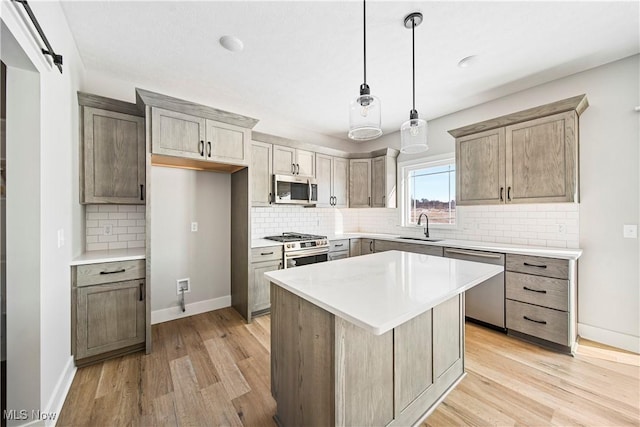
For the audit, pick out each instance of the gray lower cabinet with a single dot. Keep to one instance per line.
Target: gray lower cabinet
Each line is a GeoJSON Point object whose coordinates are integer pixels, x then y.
{"type": "Point", "coordinates": [108, 313]}
{"type": "Point", "coordinates": [540, 299]}
{"type": "Point", "coordinates": [360, 247]}
{"type": "Point", "coordinates": [338, 249]}
{"type": "Point", "coordinates": [386, 245]}
{"type": "Point", "coordinates": [112, 169]}
{"type": "Point", "coordinates": [263, 260]}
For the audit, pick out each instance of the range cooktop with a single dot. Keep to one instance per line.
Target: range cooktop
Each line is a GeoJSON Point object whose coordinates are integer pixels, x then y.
{"type": "Point", "coordinates": [295, 237]}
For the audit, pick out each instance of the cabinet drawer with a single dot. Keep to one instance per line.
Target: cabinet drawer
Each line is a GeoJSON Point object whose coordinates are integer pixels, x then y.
{"type": "Point", "coordinates": [339, 245]}
{"type": "Point", "coordinates": [268, 253]}
{"type": "Point", "coordinates": [548, 324]}
{"type": "Point", "coordinates": [108, 272]}
{"type": "Point", "coordinates": [544, 291]}
{"type": "Point", "coordinates": [337, 255]}
{"type": "Point", "coordinates": [540, 266]}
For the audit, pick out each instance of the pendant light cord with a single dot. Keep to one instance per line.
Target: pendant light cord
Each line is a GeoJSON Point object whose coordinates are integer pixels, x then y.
{"type": "Point", "coordinates": [413, 50]}
{"type": "Point", "coordinates": [364, 21]}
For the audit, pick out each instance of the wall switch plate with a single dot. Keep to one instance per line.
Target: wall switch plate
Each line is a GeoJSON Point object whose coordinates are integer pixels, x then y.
{"type": "Point", "coordinates": [183, 284]}
{"type": "Point", "coordinates": [194, 226]}
{"type": "Point", "coordinates": [108, 230]}
{"type": "Point", "coordinates": [61, 238]}
{"type": "Point", "coordinates": [630, 231]}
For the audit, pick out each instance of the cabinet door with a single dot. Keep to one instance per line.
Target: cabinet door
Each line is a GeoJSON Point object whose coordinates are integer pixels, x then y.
{"type": "Point", "coordinates": [260, 288]}
{"type": "Point", "coordinates": [305, 163]}
{"type": "Point", "coordinates": [324, 178]}
{"type": "Point", "coordinates": [541, 160]}
{"type": "Point", "coordinates": [226, 143]}
{"type": "Point", "coordinates": [177, 134]}
{"type": "Point", "coordinates": [332, 256]}
{"type": "Point", "coordinates": [360, 183]}
{"type": "Point", "coordinates": [367, 246]}
{"type": "Point", "coordinates": [284, 159]}
{"type": "Point", "coordinates": [109, 317]}
{"type": "Point", "coordinates": [355, 247]}
{"type": "Point", "coordinates": [379, 182]}
{"type": "Point", "coordinates": [261, 158]}
{"type": "Point", "coordinates": [114, 157]}
{"type": "Point", "coordinates": [340, 182]}
{"type": "Point", "coordinates": [480, 170]}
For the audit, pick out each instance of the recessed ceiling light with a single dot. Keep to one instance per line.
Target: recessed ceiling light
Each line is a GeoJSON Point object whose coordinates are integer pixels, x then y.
{"type": "Point", "coordinates": [467, 61]}
{"type": "Point", "coordinates": [232, 43]}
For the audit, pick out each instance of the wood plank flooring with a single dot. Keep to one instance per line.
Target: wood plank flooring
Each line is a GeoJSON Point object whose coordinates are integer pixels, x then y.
{"type": "Point", "coordinates": [213, 369]}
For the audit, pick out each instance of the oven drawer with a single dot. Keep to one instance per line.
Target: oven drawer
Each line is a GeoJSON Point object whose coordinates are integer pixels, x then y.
{"type": "Point", "coordinates": [540, 266]}
{"type": "Point", "coordinates": [546, 323]}
{"type": "Point", "coordinates": [267, 253]}
{"type": "Point", "coordinates": [538, 290]}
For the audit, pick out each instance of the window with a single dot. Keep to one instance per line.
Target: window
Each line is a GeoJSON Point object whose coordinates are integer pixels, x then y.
{"type": "Point", "coordinates": [430, 188]}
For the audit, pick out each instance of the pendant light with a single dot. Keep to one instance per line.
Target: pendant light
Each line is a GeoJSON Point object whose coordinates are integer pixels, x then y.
{"type": "Point", "coordinates": [364, 111]}
{"type": "Point", "coordinates": [413, 132]}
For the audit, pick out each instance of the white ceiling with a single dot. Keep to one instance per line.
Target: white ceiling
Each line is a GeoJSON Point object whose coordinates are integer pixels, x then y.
{"type": "Point", "coordinates": [302, 60]}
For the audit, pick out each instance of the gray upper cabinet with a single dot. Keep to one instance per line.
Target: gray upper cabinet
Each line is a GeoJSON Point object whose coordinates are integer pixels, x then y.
{"type": "Point", "coordinates": [188, 136]}
{"type": "Point", "coordinates": [261, 161]}
{"type": "Point", "coordinates": [293, 161]}
{"type": "Point", "coordinates": [480, 168]}
{"type": "Point", "coordinates": [332, 175]}
{"type": "Point", "coordinates": [383, 182]}
{"type": "Point", "coordinates": [542, 160]}
{"type": "Point", "coordinates": [360, 183]}
{"type": "Point", "coordinates": [113, 147]}
{"type": "Point", "coordinates": [526, 157]}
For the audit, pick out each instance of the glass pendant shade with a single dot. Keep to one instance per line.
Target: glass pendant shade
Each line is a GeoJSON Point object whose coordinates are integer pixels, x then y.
{"type": "Point", "coordinates": [364, 118]}
{"type": "Point", "coordinates": [413, 136]}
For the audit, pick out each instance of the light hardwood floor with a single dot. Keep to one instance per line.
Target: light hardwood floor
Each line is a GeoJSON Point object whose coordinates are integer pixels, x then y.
{"type": "Point", "coordinates": [213, 369]}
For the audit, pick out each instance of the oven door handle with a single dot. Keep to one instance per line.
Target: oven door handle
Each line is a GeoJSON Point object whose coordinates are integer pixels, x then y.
{"type": "Point", "coordinates": [293, 255]}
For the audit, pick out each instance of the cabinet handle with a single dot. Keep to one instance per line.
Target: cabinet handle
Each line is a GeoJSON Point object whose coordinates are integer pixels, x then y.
{"type": "Point", "coordinates": [535, 265]}
{"type": "Point", "coordinates": [201, 147]}
{"type": "Point", "coordinates": [509, 194]}
{"type": "Point", "coordinates": [371, 246]}
{"type": "Point", "coordinates": [542, 322]}
{"type": "Point", "coordinates": [383, 197]}
{"type": "Point", "coordinates": [340, 245]}
{"type": "Point", "coordinates": [270, 198]}
{"type": "Point", "coordinates": [471, 253]}
{"type": "Point", "coordinates": [297, 169]}
{"type": "Point", "coordinates": [266, 253]}
{"type": "Point", "coordinates": [293, 169]}
{"type": "Point", "coordinates": [142, 192]}
{"type": "Point", "coordinates": [369, 202]}
{"type": "Point", "coordinates": [534, 290]}
{"type": "Point", "coordinates": [280, 265]}
{"type": "Point", "coordinates": [209, 148]}
{"type": "Point", "coordinates": [122, 270]}
{"type": "Point", "coordinates": [502, 194]}
{"type": "Point", "coordinates": [141, 291]}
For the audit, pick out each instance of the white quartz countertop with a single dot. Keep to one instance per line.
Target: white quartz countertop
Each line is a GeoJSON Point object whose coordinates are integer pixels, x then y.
{"type": "Point", "coordinates": [543, 251]}
{"type": "Point", "coordinates": [381, 291]}
{"type": "Point", "coordinates": [93, 257]}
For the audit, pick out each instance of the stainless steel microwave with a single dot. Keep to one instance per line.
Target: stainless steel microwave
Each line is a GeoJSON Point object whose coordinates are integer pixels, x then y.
{"type": "Point", "coordinates": [294, 190]}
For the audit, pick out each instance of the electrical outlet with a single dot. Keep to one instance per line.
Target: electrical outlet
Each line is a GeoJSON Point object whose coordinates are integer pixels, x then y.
{"type": "Point", "coordinates": [108, 230]}
{"type": "Point", "coordinates": [61, 238]}
{"type": "Point", "coordinates": [183, 284]}
{"type": "Point", "coordinates": [562, 228]}
{"type": "Point", "coordinates": [194, 226]}
{"type": "Point", "coordinates": [630, 231]}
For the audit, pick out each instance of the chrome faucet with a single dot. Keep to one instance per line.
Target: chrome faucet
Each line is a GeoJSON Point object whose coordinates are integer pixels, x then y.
{"type": "Point", "coordinates": [426, 224]}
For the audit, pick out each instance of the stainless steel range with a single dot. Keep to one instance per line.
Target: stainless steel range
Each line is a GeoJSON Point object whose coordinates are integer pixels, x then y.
{"type": "Point", "coordinates": [302, 249]}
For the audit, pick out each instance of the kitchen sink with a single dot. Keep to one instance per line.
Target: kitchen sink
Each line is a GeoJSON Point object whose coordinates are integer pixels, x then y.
{"type": "Point", "coordinates": [420, 239]}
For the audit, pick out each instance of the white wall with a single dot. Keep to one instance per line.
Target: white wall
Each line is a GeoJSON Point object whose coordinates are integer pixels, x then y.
{"type": "Point", "coordinates": [609, 291]}
{"type": "Point", "coordinates": [56, 189]}
{"type": "Point", "coordinates": [179, 197]}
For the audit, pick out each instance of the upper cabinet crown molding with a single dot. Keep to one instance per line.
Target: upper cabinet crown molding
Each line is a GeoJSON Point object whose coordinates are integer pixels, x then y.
{"type": "Point", "coordinates": [145, 97]}
{"type": "Point", "coordinates": [100, 102]}
{"type": "Point", "coordinates": [577, 103]}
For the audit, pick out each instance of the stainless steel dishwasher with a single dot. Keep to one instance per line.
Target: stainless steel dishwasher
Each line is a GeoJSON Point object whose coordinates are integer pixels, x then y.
{"type": "Point", "coordinates": [484, 302]}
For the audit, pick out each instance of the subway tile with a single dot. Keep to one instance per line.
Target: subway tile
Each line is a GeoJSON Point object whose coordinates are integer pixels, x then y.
{"type": "Point", "coordinates": [141, 223]}
{"type": "Point", "coordinates": [97, 246]}
{"type": "Point", "coordinates": [107, 208]}
{"type": "Point", "coordinates": [127, 223]}
{"type": "Point", "coordinates": [117, 245]}
{"type": "Point", "coordinates": [106, 239]}
{"type": "Point", "coordinates": [126, 237]}
{"type": "Point", "coordinates": [91, 208]}
{"type": "Point", "coordinates": [119, 230]}
{"type": "Point", "coordinates": [135, 244]}
{"type": "Point", "coordinates": [135, 215]}
{"type": "Point", "coordinates": [94, 231]}
{"type": "Point", "coordinates": [97, 215]}
{"type": "Point", "coordinates": [127, 208]}
{"type": "Point", "coordinates": [135, 230]}
{"type": "Point", "coordinates": [104, 222]}
{"type": "Point", "coordinates": [92, 239]}
{"type": "Point", "coordinates": [141, 208]}
{"type": "Point", "coordinates": [117, 215]}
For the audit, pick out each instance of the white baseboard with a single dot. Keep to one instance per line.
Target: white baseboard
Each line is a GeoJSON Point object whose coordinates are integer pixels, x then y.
{"type": "Point", "coordinates": [54, 406]}
{"type": "Point", "coordinates": [614, 339]}
{"type": "Point", "coordinates": [173, 313]}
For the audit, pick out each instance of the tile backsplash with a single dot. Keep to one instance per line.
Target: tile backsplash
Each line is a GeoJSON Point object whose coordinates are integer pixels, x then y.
{"type": "Point", "coordinates": [126, 223]}
{"type": "Point", "coordinates": [548, 224]}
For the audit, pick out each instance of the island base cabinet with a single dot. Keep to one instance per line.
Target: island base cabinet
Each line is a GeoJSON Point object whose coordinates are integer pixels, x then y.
{"type": "Point", "coordinates": [328, 371]}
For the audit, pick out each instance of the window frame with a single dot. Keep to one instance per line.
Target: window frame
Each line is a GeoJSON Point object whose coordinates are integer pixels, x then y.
{"type": "Point", "coordinates": [407, 166]}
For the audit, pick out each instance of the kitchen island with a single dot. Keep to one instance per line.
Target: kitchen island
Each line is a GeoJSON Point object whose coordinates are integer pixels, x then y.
{"type": "Point", "coordinates": [372, 340]}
